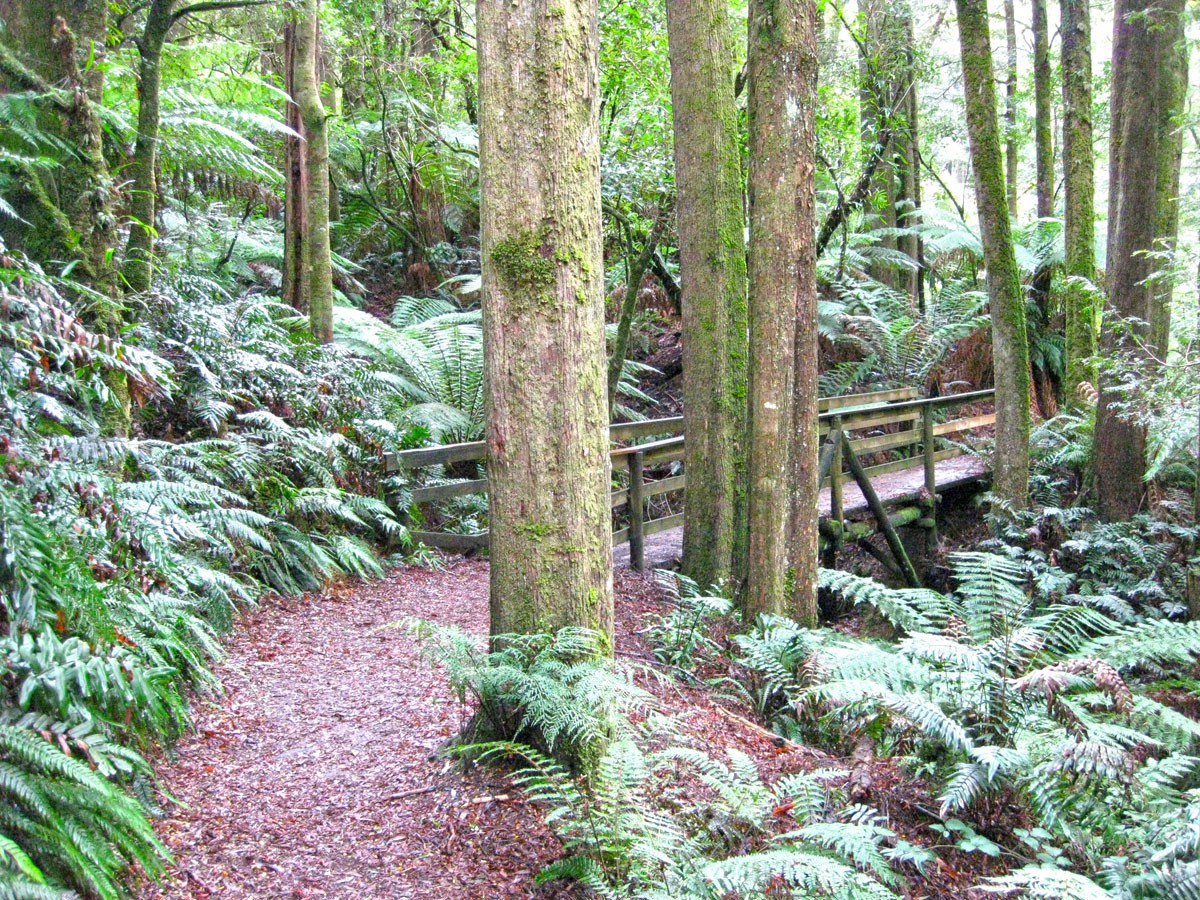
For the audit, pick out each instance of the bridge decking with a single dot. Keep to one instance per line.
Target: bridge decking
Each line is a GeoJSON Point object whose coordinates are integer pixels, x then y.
{"type": "Point", "coordinates": [894, 489]}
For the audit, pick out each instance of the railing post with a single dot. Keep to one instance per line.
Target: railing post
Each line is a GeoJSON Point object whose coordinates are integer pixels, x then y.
{"type": "Point", "coordinates": [930, 451]}
{"type": "Point", "coordinates": [637, 513]}
{"type": "Point", "coordinates": [836, 505]}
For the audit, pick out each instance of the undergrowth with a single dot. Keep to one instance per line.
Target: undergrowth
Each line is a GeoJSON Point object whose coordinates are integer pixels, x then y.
{"type": "Point", "coordinates": [123, 558]}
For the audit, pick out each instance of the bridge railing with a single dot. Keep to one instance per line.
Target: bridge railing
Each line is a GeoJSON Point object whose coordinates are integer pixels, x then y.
{"type": "Point", "coordinates": [894, 419]}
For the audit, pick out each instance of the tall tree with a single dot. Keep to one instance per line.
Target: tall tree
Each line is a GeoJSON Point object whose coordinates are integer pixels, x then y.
{"type": "Point", "coordinates": [712, 254]}
{"type": "Point", "coordinates": [1079, 220]}
{"type": "Point", "coordinates": [317, 265]}
{"type": "Point", "coordinates": [1012, 147]}
{"type": "Point", "coordinates": [68, 212]}
{"type": "Point", "coordinates": [543, 315]}
{"type": "Point", "coordinates": [1120, 443]}
{"type": "Point", "coordinates": [800, 117]}
{"type": "Point", "coordinates": [1172, 106]}
{"type": "Point", "coordinates": [70, 209]}
{"type": "Point", "coordinates": [161, 17]}
{"type": "Point", "coordinates": [782, 406]}
{"type": "Point", "coordinates": [1043, 126]}
{"type": "Point", "coordinates": [1010, 348]}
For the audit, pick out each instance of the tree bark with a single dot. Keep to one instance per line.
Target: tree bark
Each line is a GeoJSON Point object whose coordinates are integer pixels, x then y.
{"type": "Point", "coordinates": [139, 247]}
{"type": "Point", "coordinates": [543, 316]}
{"type": "Point", "coordinates": [295, 216]}
{"type": "Point", "coordinates": [804, 443]}
{"type": "Point", "coordinates": [317, 261]}
{"type": "Point", "coordinates": [1079, 222]}
{"type": "Point", "coordinates": [1120, 444]}
{"type": "Point", "coordinates": [782, 66]}
{"type": "Point", "coordinates": [1173, 85]}
{"type": "Point", "coordinates": [1010, 348]}
{"type": "Point", "coordinates": [712, 252]}
{"type": "Point", "coordinates": [55, 49]}
{"type": "Point", "coordinates": [1012, 149]}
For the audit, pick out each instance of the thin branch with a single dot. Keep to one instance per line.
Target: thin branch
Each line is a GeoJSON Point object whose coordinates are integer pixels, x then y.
{"type": "Point", "coordinates": [212, 5]}
{"type": "Point", "coordinates": [858, 195]}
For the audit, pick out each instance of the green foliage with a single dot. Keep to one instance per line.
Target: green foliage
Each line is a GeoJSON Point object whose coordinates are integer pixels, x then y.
{"type": "Point", "coordinates": [1004, 694]}
{"type": "Point", "coordinates": [652, 823]}
{"type": "Point", "coordinates": [684, 636]}
{"type": "Point", "coordinates": [122, 559]}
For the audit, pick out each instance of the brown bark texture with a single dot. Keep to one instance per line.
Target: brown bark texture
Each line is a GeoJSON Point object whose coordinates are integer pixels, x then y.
{"type": "Point", "coordinates": [712, 253]}
{"type": "Point", "coordinates": [1079, 215]}
{"type": "Point", "coordinates": [782, 402]}
{"type": "Point", "coordinates": [543, 316]}
{"type": "Point", "coordinates": [1119, 455]}
{"type": "Point", "coordinates": [1010, 347]}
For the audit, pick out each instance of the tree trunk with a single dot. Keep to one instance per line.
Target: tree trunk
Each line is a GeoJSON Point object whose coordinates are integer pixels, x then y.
{"type": "Point", "coordinates": [139, 247]}
{"type": "Point", "coordinates": [295, 290]}
{"type": "Point", "coordinates": [1120, 444]}
{"type": "Point", "coordinates": [1043, 132]}
{"type": "Point", "coordinates": [782, 66]}
{"type": "Point", "coordinates": [543, 316]}
{"type": "Point", "coordinates": [1010, 348]}
{"type": "Point", "coordinates": [318, 265]}
{"type": "Point", "coordinates": [1012, 152]}
{"type": "Point", "coordinates": [712, 253]}
{"type": "Point", "coordinates": [1079, 224]}
{"type": "Point", "coordinates": [56, 49]}
{"type": "Point", "coordinates": [803, 453]}
{"type": "Point", "coordinates": [1172, 110]}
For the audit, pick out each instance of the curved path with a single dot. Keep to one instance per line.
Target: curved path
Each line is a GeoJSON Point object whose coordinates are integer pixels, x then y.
{"type": "Point", "coordinates": [312, 776]}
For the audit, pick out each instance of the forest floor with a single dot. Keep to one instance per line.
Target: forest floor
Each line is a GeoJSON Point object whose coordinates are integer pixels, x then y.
{"type": "Point", "coordinates": [316, 773]}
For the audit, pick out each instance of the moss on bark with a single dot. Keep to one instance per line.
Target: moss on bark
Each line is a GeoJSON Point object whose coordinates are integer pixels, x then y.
{"type": "Point", "coordinates": [1010, 347]}
{"type": "Point", "coordinates": [543, 316]}
{"type": "Point", "coordinates": [708, 178]}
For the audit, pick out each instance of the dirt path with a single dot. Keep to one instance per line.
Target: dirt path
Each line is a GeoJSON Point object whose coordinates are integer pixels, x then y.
{"type": "Point", "coordinates": [312, 776]}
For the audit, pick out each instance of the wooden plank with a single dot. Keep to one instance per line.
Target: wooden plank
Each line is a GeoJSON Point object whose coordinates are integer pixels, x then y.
{"type": "Point", "coordinates": [666, 523]}
{"type": "Point", "coordinates": [628, 431]}
{"type": "Point", "coordinates": [447, 491]}
{"type": "Point", "coordinates": [460, 543]}
{"type": "Point", "coordinates": [617, 499]}
{"type": "Point", "coordinates": [433, 456]}
{"type": "Point", "coordinates": [665, 455]}
{"type": "Point", "coordinates": [967, 424]}
{"type": "Point", "coordinates": [899, 464]}
{"type": "Point", "coordinates": [664, 485]}
{"type": "Point", "coordinates": [622, 452]}
{"type": "Point", "coordinates": [874, 397]}
{"type": "Point", "coordinates": [890, 441]}
{"type": "Point", "coordinates": [621, 536]}
{"type": "Point", "coordinates": [870, 418]}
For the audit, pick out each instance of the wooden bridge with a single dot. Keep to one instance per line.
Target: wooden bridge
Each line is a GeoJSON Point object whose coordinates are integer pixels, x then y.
{"type": "Point", "coordinates": [885, 458]}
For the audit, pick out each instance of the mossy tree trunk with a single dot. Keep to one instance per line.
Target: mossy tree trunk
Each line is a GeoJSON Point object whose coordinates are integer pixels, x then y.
{"type": "Point", "coordinates": [161, 16]}
{"type": "Point", "coordinates": [143, 191]}
{"type": "Point", "coordinates": [1012, 147]}
{"type": "Point", "coordinates": [317, 262]}
{"type": "Point", "coordinates": [1079, 201]}
{"type": "Point", "coordinates": [1043, 134]}
{"type": "Point", "coordinates": [543, 316]}
{"type": "Point", "coordinates": [801, 45]}
{"type": "Point", "coordinates": [1120, 444]}
{"type": "Point", "coordinates": [1010, 348]}
{"type": "Point", "coordinates": [712, 251]}
{"type": "Point", "coordinates": [56, 49]}
{"type": "Point", "coordinates": [782, 407]}
{"type": "Point", "coordinates": [295, 169]}
{"type": "Point", "coordinates": [1172, 110]}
